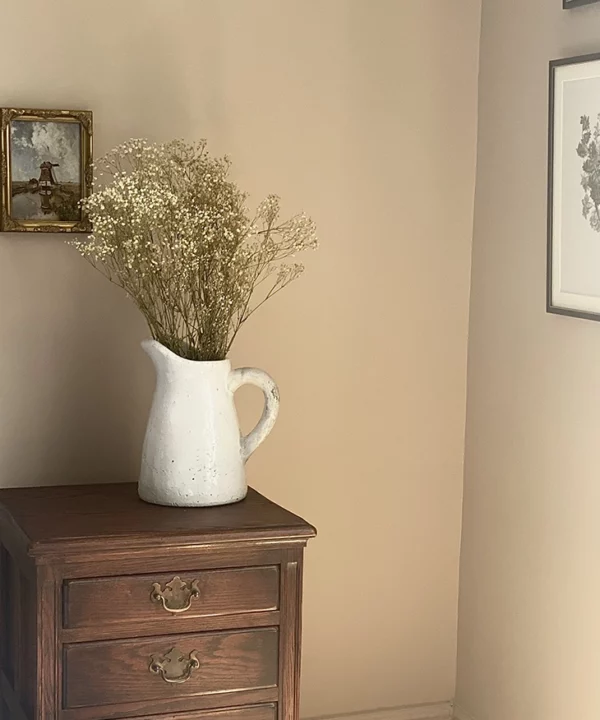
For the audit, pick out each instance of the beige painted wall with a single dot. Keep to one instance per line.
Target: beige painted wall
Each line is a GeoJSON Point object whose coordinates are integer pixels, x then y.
{"type": "Point", "coordinates": [529, 630]}
{"type": "Point", "coordinates": [363, 113]}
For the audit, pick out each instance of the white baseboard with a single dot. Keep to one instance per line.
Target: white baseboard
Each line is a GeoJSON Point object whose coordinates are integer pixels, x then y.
{"type": "Point", "coordinates": [460, 714]}
{"type": "Point", "coordinates": [429, 711]}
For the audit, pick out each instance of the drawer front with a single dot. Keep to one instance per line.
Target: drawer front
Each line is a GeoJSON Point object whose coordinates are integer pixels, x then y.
{"type": "Point", "coordinates": [256, 712]}
{"type": "Point", "coordinates": [99, 601]}
{"type": "Point", "coordinates": [168, 667]}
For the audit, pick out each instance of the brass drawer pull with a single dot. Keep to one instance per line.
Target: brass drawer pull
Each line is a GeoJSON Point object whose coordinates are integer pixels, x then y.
{"type": "Point", "coordinates": [174, 667]}
{"type": "Point", "coordinates": [177, 595]}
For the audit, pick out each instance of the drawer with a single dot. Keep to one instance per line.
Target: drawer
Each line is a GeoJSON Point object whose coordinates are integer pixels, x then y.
{"type": "Point", "coordinates": [97, 602]}
{"type": "Point", "coordinates": [256, 712]}
{"type": "Point", "coordinates": [169, 667]}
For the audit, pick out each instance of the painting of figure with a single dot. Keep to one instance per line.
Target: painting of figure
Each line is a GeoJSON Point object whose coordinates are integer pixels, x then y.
{"type": "Point", "coordinates": [47, 160]}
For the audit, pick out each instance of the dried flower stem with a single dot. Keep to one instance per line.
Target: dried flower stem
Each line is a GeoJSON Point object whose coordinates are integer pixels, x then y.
{"type": "Point", "coordinates": [174, 232]}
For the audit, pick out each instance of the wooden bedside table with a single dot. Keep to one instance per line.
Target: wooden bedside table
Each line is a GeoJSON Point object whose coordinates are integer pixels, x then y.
{"type": "Point", "coordinates": [113, 608]}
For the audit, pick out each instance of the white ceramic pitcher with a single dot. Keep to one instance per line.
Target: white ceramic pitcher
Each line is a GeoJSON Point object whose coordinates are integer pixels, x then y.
{"type": "Point", "coordinates": [194, 454]}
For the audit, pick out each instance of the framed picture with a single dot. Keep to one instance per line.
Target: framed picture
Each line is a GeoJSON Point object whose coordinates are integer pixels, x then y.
{"type": "Point", "coordinates": [45, 169]}
{"type": "Point", "coordinates": [568, 4]}
{"type": "Point", "coordinates": [573, 286]}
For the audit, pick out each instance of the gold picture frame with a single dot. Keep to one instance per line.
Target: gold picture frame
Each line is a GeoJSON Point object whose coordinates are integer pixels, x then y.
{"type": "Point", "coordinates": [35, 195]}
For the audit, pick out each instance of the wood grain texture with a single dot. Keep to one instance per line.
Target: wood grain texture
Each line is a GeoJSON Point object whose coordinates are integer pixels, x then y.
{"type": "Point", "coordinates": [258, 712]}
{"type": "Point", "coordinates": [149, 708]}
{"type": "Point", "coordinates": [101, 601]}
{"type": "Point", "coordinates": [110, 673]}
{"type": "Point", "coordinates": [78, 629]}
{"type": "Point", "coordinates": [14, 626]}
{"type": "Point", "coordinates": [4, 618]}
{"type": "Point", "coordinates": [166, 559]}
{"type": "Point", "coordinates": [15, 542]}
{"type": "Point", "coordinates": [92, 517]}
{"type": "Point", "coordinates": [10, 704]}
{"type": "Point", "coordinates": [289, 666]}
{"type": "Point", "coordinates": [3, 627]}
{"type": "Point", "coordinates": [46, 648]}
{"type": "Point", "coordinates": [159, 626]}
{"type": "Point", "coordinates": [26, 687]}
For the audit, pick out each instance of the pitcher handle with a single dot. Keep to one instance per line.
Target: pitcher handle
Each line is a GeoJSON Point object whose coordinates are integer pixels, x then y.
{"type": "Point", "coordinates": [254, 376]}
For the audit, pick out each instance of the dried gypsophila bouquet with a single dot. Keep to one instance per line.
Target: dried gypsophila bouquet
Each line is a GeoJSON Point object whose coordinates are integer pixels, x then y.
{"type": "Point", "coordinates": [174, 231]}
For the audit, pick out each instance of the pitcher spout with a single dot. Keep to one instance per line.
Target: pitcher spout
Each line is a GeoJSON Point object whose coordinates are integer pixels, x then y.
{"type": "Point", "coordinates": [169, 364]}
{"type": "Point", "coordinates": [159, 354]}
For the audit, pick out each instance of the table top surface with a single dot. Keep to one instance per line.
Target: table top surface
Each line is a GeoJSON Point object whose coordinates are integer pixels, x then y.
{"type": "Point", "coordinates": [74, 513]}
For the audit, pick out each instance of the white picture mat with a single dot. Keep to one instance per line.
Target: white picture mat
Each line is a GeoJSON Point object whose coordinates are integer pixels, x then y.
{"type": "Point", "coordinates": [575, 244]}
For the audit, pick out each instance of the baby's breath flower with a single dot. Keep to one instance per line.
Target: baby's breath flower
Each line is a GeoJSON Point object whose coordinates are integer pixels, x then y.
{"type": "Point", "coordinates": [174, 231]}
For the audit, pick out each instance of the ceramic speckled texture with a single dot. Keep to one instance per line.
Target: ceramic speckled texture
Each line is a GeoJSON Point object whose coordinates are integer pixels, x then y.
{"type": "Point", "coordinates": [193, 452]}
